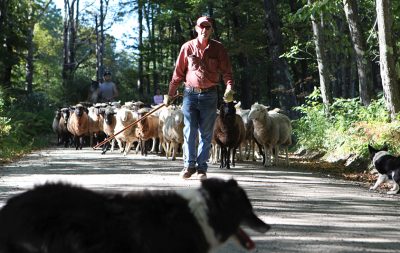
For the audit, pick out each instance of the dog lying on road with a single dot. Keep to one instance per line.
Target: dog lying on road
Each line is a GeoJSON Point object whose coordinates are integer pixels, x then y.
{"type": "Point", "coordinates": [388, 167]}
{"type": "Point", "coordinates": [60, 218]}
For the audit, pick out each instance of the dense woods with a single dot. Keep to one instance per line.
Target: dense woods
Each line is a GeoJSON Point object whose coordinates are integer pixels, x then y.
{"type": "Point", "coordinates": [280, 51]}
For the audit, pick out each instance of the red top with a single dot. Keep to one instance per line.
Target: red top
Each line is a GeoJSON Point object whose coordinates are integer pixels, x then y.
{"type": "Point", "coordinates": [201, 69]}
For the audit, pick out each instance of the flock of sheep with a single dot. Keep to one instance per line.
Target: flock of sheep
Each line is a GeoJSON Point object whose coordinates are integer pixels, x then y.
{"type": "Point", "coordinates": [235, 130]}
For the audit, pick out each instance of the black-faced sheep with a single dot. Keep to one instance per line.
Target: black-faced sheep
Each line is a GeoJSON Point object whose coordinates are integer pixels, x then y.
{"type": "Point", "coordinates": [109, 121]}
{"type": "Point", "coordinates": [271, 130]}
{"type": "Point", "coordinates": [229, 132]}
{"type": "Point", "coordinates": [78, 125]}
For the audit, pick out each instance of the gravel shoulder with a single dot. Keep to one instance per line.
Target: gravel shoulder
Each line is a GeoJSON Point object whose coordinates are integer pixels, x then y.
{"type": "Point", "coordinates": [307, 212]}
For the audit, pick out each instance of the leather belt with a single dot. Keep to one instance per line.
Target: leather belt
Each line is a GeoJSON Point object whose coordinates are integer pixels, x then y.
{"type": "Point", "coordinates": [200, 90]}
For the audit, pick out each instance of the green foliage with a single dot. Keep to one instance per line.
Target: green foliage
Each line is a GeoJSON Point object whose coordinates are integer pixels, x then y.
{"type": "Point", "coordinates": [347, 128]}
{"type": "Point", "coordinates": [24, 125]}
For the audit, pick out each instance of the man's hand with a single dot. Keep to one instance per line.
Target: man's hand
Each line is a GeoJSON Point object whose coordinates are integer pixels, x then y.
{"type": "Point", "coordinates": [228, 95]}
{"type": "Point", "coordinates": [167, 100]}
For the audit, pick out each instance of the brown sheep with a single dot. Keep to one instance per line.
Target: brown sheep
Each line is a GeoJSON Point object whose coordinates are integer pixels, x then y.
{"type": "Point", "coordinates": [147, 129]}
{"type": "Point", "coordinates": [78, 124]}
{"type": "Point", "coordinates": [229, 132]}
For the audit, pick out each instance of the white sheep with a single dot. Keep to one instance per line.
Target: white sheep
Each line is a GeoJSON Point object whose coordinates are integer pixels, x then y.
{"type": "Point", "coordinates": [173, 132]}
{"type": "Point", "coordinates": [125, 117]}
{"type": "Point", "coordinates": [271, 130]}
{"type": "Point", "coordinates": [55, 125]}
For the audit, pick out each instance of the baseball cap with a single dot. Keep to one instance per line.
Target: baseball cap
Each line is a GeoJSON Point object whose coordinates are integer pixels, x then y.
{"type": "Point", "coordinates": [204, 19]}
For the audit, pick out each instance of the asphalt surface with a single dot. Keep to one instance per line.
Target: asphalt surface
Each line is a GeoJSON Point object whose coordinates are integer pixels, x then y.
{"type": "Point", "coordinates": [307, 212]}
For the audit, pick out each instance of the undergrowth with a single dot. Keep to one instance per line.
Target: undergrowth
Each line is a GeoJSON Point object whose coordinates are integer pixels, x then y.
{"type": "Point", "coordinates": [346, 128]}
{"type": "Point", "coordinates": [24, 125]}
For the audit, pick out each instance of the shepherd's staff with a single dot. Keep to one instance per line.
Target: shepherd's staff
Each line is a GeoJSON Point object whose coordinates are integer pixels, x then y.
{"type": "Point", "coordinates": [135, 122]}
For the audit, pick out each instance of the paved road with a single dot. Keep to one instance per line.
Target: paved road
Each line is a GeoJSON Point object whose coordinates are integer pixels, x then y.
{"type": "Point", "coordinates": [307, 213]}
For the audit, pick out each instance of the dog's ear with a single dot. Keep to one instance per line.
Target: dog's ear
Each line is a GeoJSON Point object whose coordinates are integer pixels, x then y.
{"type": "Point", "coordinates": [385, 147]}
{"type": "Point", "coordinates": [232, 182]}
{"type": "Point", "coordinates": [371, 149]}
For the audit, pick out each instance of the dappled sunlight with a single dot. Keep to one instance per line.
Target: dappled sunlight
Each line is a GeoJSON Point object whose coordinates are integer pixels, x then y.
{"type": "Point", "coordinates": [307, 213]}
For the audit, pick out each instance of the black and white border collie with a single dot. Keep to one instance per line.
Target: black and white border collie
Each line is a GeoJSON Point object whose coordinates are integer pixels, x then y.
{"type": "Point", "coordinates": [388, 167]}
{"type": "Point", "coordinates": [61, 218]}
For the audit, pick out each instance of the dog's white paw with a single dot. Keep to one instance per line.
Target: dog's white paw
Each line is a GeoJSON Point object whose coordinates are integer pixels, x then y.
{"type": "Point", "coordinates": [392, 192]}
{"type": "Point", "coordinates": [372, 188]}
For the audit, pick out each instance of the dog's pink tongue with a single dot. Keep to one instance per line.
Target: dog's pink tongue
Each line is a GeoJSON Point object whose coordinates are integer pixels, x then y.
{"type": "Point", "coordinates": [245, 240]}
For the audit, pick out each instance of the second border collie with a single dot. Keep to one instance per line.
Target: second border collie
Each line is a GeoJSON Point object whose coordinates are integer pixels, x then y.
{"type": "Point", "coordinates": [61, 218]}
{"type": "Point", "coordinates": [388, 167]}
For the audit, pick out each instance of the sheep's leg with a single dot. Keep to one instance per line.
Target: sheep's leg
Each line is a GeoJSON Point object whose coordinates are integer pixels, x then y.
{"type": "Point", "coordinates": [128, 146]}
{"type": "Point", "coordinates": [240, 157]}
{"type": "Point", "coordinates": [287, 156]}
{"type": "Point", "coordinates": [267, 154]}
{"type": "Point", "coordinates": [112, 145]}
{"type": "Point", "coordinates": [153, 147]}
{"type": "Point", "coordinates": [174, 148]}
{"type": "Point", "coordinates": [222, 161]}
{"type": "Point", "coordinates": [276, 154]}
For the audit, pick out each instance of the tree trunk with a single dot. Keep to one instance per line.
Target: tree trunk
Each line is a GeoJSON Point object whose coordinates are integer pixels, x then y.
{"type": "Point", "coordinates": [387, 62]}
{"type": "Point", "coordinates": [324, 74]}
{"type": "Point", "coordinates": [140, 47]}
{"type": "Point", "coordinates": [282, 80]}
{"type": "Point", "coordinates": [363, 65]}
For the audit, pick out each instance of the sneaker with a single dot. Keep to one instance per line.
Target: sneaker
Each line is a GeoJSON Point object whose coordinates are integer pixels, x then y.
{"type": "Point", "coordinates": [187, 172]}
{"type": "Point", "coordinates": [201, 175]}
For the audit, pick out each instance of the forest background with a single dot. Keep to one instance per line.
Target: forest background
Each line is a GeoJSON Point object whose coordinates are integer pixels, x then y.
{"type": "Point", "coordinates": [332, 65]}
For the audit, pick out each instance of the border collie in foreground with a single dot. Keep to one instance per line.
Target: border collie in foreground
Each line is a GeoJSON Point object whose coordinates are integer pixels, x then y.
{"type": "Point", "coordinates": [60, 218]}
{"type": "Point", "coordinates": [388, 167]}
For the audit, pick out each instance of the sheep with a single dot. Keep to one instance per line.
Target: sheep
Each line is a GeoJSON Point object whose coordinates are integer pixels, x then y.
{"type": "Point", "coordinates": [271, 130]}
{"type": "Point", "coordinates": [229, 132]}
{"type": "Point", "coordinates": [66, 136]}
{"type": "Point", "coordinates": [78, 124]}
{"type": "Point", "coordinates": [147, 129]}
{"type": "Point", "coordinates": [55, 124]}
{"type": "Point", "coordinates": [95, 123]}
{"type": "Point", "coordinates": [173, 132]}
{"type": "Point", "coordinates": [125, 117]}
{"type": "Point", "coordinates": [163, 113]}
{"type": "Point", "coordinates": [109, 121]}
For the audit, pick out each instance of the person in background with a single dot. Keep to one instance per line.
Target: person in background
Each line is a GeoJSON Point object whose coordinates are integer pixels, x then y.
{"type": "Point", "coordinates": [158, 98]}
{"type": "Point", "coordinates": [108, 89]}
{"type": "Point", "coordinates": [200, 65]}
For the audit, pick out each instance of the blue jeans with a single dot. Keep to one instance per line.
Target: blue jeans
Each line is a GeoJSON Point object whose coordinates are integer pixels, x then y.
{"type": "Point", "coordinates": [200, 112]}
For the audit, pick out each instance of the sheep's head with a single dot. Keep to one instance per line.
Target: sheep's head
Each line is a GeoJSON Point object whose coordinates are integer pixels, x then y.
{"type": "Point", "coordinates": [57, 114]}
{"type": "Point", "coordinates": [227, 110]}
{"type": "Point", "coordinates": [65, 114]}
{"type": "Point", "coordinates": [79, 110]}
{"type": "Point", "coordinates": [258, 111]}
{"type": "Point", "coordinates": [109, 115]}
